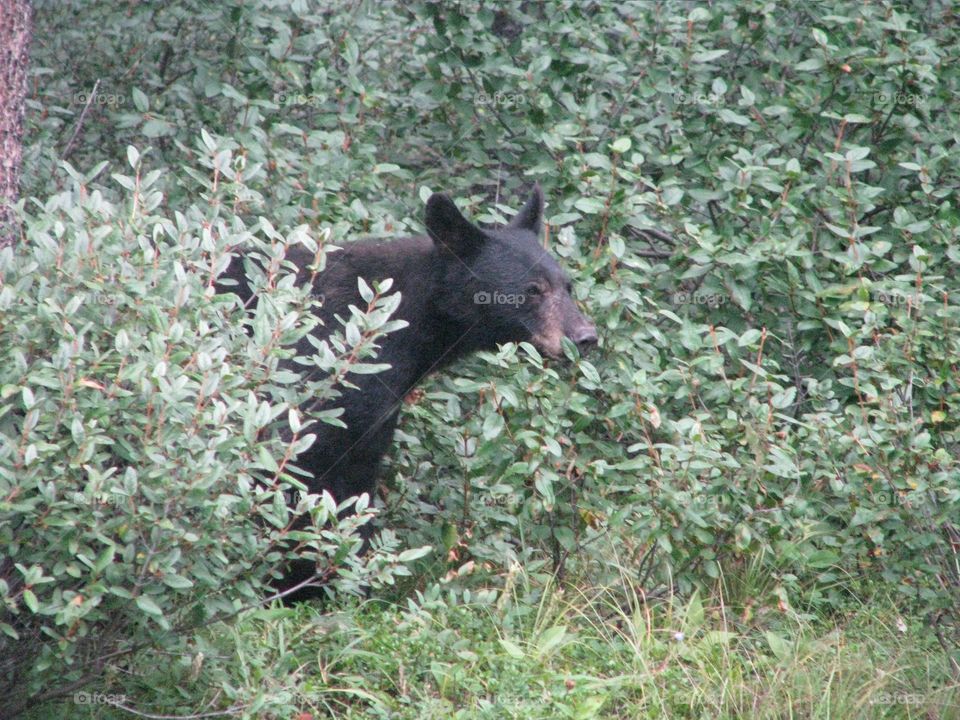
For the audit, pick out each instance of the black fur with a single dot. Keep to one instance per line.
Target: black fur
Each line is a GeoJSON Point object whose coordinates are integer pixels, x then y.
{"type": "Point", "coordinates": [463, 289]}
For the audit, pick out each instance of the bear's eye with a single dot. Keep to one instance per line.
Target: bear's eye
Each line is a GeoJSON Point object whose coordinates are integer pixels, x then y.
{"type": "Point", "coordinates": [533, 290]}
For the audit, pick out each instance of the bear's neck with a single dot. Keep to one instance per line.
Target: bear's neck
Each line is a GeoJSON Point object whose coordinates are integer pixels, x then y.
{"type": "Point", "coordinates": [438, 332]}
{"type": "Point", "coordinates": [442, 333]}
{"type": "Point", "coordinates": [451, 340]}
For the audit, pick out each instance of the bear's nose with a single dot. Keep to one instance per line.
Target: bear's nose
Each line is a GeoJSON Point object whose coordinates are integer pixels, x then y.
{"type": "Point", "coordinates": [585, 336]}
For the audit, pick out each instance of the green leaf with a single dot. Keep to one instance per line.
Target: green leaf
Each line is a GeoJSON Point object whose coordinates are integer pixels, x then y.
{"type": "Point", "coordinates": [590, 373]}
{"type": "Point", "coordinates": [105, 559]}
{"type": "Point", "coordinates": [550, 639]}
{"type": "Point", "coordinates": [176, 581]}
{"type": "Point", "coordinates": [146, 604]}
{"type": "Point", "coordinates": [781, 649]}
{"type": "Point", "coordinates": [9, 631]}
{"type": "Point", "coordinates": [512, 649]}
{"type": "Point", "coordinates": [266, 460]}
{"type": "Point", "coordinates": [809, 65]}
{"type": "Point", "coordinates": [671, 195]}
{"type": "Point", "coordinates": [729, 116]}
{"type": "Point", "coordinates": [589, 205]}
{"type": "Point", "coordinates": [412, 554]}
{"type": "Point", "coordinates": [157, 128]}
{"type": "Point", "coordinates": [617, 246]}
{"type": "Point", "coordinates": [694, 617]}
{"type": "Point", "coordinates": [708, 56]}
{"type": "Point", "coordinates": [565, 537]}
{"type": "Point", "coordinates": [140, 100]}
{"type": "Point", "coordinates": [857, 152]}
{"type": "Point", "coordinates": [492, 426]}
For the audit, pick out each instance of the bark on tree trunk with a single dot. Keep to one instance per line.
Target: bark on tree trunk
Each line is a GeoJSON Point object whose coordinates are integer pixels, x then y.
{"type": "Point", "coordinates": [16, 29]}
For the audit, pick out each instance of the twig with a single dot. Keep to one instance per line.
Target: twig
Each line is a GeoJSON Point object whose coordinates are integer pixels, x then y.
{"type": "Point", "coordinates": [655, 254]}
{"type": "Point", "coordinates": [615, 116]}
{"type": "Point", "coordinates": [938, 631]}
{"type": "Point", "coordinates": [657, 235]}
{"type": "Point", "coordinates": [83, 115]}
{"type": "Point", "coordinates": [649, 235]}
{"type": "Point", "coordinates": [866, 216]}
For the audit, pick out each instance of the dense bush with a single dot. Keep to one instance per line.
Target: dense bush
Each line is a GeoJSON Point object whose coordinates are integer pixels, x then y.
{"type": "Point", "coordinates": [757, 202]}
{"type": "Point", "coordinates": [767, 238]}
{"type": "Point", "coordinates": [148, 434]}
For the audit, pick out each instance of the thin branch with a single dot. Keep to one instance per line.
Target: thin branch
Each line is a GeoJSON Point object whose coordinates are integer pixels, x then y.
{"type": "Point", "coordinates": [655, 254]}
{"type": "Point", "coordinates": [79, 125]}
{"type": "Point", "coordinates": [650, 235]}
{"type": "Point", "coordinates": [656, 235]}
{"type": "Point", "coordinates": [938, 631]}
{"type": "Point", "coordinates": [615, 116]}
{"type": "Point", "coordinates": [876, 211]}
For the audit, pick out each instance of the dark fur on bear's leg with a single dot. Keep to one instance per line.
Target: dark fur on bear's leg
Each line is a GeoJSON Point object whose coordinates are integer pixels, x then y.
{"type": "Point", "coordinates": [464, 288]}
{"type": "Point", "coordinates": [356, 468]}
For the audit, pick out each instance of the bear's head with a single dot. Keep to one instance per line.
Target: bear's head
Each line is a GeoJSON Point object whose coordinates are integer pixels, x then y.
{"type": "Point", "coordinates": [508, 288]}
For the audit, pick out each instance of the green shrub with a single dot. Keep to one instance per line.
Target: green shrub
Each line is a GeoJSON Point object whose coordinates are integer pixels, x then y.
{"type": "Point", "coordinates": [148, 432]}
{"type": "Point", "coordinates": [757, 203]}
{"type": "Point", "coordinates": [766, 238]}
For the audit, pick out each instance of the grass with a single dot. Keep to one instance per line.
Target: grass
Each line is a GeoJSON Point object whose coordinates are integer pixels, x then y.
{"type": "Point", "coordinates": [533, 650]}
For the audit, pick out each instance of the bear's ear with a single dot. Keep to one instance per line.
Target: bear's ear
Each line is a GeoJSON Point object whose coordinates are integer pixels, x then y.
{"type": "Point", "coordinates": [530, 216]}
{"type": "Point", "coordinates": [449, 229]}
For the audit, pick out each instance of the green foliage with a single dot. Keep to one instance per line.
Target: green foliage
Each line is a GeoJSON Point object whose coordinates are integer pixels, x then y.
{"type": "Point", "coordinates": [770, 236]}
{"type": "Point", "coordinates": [148, 432]}
{"type": "Point", "coordinates": [757, 203]}
{"type": "Point", "coordinates": [533, 651]}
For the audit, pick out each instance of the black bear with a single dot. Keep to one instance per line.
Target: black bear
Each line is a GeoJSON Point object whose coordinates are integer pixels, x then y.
{"type": "Point", "coordinates": [463, 288]}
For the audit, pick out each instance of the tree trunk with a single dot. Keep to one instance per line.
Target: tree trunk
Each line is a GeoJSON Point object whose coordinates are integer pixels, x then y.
{"type": "Point", "coordinates": [16, 29]}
